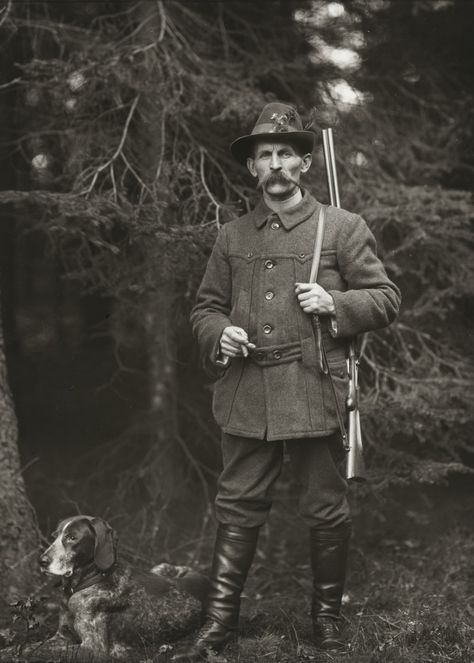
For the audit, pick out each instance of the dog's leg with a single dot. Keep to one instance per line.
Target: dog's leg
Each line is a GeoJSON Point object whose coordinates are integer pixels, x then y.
{"type": "Point", "coordinates": [91, 628]}
{"type": "Point", "coordinates": [65, 630]}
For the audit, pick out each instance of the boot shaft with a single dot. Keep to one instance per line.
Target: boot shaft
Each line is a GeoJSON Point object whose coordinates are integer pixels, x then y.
{"type": "Point", "coordinates": [329, 550]}
{"type": "Point", "coordinates": [233, 555]}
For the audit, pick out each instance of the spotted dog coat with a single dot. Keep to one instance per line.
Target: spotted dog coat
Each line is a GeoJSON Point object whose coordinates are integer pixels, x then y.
{"type": "Point", "coordinates": [107, 609]}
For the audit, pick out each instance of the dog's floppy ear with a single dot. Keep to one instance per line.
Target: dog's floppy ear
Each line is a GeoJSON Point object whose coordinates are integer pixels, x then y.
{"type": "Point", "coordinates": [105, 544]}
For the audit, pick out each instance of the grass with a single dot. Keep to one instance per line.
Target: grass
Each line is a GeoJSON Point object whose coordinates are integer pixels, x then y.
{"type": "Point", "coordinates": [403, 604]}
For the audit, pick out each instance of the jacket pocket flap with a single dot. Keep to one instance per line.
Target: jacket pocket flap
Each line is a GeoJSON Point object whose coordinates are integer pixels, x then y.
{"type": "Point", "coordinates": [308, 352]}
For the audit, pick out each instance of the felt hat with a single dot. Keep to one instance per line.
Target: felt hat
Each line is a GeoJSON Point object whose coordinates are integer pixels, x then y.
{"type": "Point", "coordinates": [277, 122]}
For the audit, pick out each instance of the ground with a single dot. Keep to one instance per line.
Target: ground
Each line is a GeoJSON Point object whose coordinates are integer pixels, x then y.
{"type": "Point", "coordinates": [409, 598]}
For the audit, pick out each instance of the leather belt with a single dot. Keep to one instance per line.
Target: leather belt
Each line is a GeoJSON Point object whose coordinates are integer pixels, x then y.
{"type": "Point", "coordinates": [272, 355]}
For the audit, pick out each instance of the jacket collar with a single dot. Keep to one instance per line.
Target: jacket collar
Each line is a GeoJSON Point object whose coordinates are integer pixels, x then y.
{"type": "Point", "coordinates": [290, 218]}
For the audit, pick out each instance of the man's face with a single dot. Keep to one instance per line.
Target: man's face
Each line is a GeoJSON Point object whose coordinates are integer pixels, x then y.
{"type": "Point", "coordinates": [278, 167]}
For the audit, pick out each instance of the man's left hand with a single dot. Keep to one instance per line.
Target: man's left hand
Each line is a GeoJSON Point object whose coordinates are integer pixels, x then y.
{"type": "Point", "coordinates": [314, 299]}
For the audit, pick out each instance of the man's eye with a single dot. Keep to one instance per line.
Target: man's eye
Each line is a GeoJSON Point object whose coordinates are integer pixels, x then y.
{"type": "Point", "coordinates": [70, 537]}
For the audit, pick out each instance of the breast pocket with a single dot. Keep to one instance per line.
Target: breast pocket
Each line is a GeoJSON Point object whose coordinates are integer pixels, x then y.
{"type": "Point", "coordinates": [240, 312]}
{"type": "Point", "coordinates": [329, 275]}
{"type": "Point", "coordinates": [304, 263]}
{"type": "Point", "coordinates": [242, 266]}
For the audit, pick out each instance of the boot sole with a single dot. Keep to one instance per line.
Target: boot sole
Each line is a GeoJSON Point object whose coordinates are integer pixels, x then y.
{"type": "Point", "coordinates": [331, 645]}
{"type": "Point", "coordinates": [202, 654]}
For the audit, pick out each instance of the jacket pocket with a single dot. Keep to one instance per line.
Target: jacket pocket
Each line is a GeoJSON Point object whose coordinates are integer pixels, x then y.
{"type": "Point", "coordinates": [224, 392]}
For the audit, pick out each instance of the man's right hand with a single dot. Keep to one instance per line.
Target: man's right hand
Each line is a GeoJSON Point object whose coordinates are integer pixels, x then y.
{"type": "Point", "coordinates": [235, 342]}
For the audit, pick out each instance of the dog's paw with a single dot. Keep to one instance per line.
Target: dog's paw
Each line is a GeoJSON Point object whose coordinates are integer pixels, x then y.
{"type": "Point", "coordinates": [165, 649]}
{"type": "Point", "coordinates": [121, 652]}
{"type": "Point", "coordinates": [166, 570]}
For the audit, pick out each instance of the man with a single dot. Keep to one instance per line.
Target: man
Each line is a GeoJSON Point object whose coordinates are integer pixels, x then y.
{"type": "Point", "coordinates": [253, 315]}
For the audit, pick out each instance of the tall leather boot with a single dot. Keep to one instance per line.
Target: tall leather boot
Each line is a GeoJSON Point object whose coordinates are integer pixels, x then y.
{"type": "Point", "coordinates": [233, 554]}
{"type": "Point", "coordinates": [329, 548]}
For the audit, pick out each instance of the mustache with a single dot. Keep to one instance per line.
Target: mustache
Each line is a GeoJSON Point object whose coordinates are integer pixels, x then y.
{"type": "Point", "coordinates": [276, 178]}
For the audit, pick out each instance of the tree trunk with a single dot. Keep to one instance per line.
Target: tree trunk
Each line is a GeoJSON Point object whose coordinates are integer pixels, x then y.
{"type": "Point", "coordinates": [165, 462]}
{"type": "Point", "coordinates": [18, 532]}
{"type": "Point", "coordinates": [19, 539]}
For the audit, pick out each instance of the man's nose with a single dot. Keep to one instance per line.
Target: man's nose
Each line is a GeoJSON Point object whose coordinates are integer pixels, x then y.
{"type": "Point", "coordinates": [275, 162]}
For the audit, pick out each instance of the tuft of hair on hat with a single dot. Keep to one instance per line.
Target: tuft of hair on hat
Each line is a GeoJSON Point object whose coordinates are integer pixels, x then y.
{"type": "Point", "coordinates": [276, 118]}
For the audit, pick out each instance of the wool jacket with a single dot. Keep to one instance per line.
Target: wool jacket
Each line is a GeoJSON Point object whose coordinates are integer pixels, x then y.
{"type": "Point", "coordinates": [278, 392]}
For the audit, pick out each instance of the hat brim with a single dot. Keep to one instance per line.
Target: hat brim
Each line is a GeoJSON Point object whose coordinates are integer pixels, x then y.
{"type": "Point", "coordinates": [241, 148]}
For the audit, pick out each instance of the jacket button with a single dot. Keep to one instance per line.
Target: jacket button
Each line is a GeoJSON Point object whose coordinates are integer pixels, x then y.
{"type": "Point", "coordinates": [275, 225]}
{"type": "Point", "coordinates": [269, 264]}
{"type": "Point", "coordinates": [269, 295]}
{"type": "Point", "coordinates": [302, 255]}
{"type": "Point", "coordinates": [276, 354]}
{"type": "Point", "coordinates": [249, 254]}
{"type": "Point", "coordinates": [267, 329]}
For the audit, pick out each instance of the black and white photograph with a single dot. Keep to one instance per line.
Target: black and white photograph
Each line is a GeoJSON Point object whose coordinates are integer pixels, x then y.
{"type": "Point", "coordinates": [236, 331]}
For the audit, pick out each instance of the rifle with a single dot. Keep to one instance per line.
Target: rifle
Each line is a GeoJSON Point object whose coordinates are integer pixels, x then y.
{"type": "Point", "coordinates": [355, 466]}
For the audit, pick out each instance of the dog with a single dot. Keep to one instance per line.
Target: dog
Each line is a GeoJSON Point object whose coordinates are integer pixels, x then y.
{"type": "Point", "coordinates": [106, 609]}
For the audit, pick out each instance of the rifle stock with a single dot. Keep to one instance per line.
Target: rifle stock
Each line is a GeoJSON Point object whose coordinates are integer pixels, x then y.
{"type": "Point", "coordinates": [355, 466]}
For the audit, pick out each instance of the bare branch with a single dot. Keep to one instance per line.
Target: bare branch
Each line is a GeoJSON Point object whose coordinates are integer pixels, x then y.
{"type": "Point", "coordinates": [203, 180]}
{"type": "Point", "coordinates": [118, 151]}
{"type": "Point", "coordinates": [4, 12]}
{"type": "Point", "coordinates": [14, 81]}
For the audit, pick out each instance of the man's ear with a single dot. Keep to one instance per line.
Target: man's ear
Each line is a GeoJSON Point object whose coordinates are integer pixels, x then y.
{"type": "Point", "coordinates": [251, 166]}
{"type": "Point", "coordinates": [307, 160]}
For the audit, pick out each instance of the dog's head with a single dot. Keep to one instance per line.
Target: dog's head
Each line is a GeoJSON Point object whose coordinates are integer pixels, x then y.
{"type": "Point", "coordinates": [80, 541]}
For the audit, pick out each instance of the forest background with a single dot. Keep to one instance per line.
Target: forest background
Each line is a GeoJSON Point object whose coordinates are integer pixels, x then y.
{"type": "Point", "coordinates": [115, 177]}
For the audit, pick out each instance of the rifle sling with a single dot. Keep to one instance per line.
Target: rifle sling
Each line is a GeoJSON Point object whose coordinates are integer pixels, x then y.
{"type": "Point", "coordinates": [318, 245]}
{"type": "Point", "coordinates": [320, 350]}
{"type": "Point", "coordinates": [340, 417]}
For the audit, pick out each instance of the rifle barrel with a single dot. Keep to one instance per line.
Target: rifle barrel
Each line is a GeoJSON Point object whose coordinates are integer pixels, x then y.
{"type": "Point", "coordinates": [331, 171]}
{"type": "Point", "coordinates": [355, 466]}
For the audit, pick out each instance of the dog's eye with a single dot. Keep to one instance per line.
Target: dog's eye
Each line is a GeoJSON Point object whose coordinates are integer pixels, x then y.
{"type": "Point", "coordinates": [70, 537]}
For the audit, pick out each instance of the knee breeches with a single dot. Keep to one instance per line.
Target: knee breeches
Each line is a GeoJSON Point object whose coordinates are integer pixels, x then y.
{"type": "Point", "coordinates": [251, 468]}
